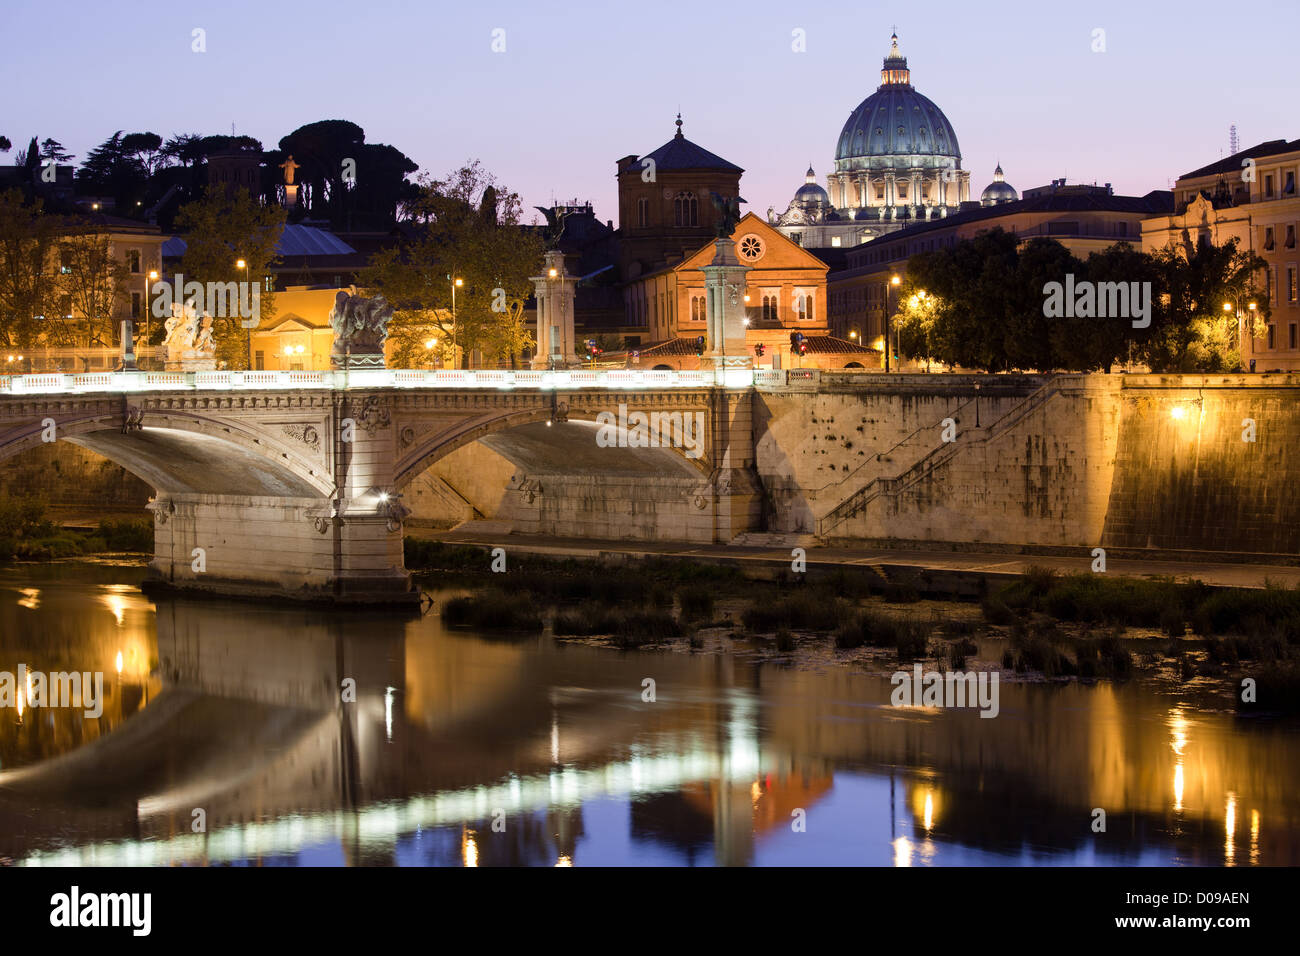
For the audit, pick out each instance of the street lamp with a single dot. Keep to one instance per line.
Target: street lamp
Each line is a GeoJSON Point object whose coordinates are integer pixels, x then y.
{"type": "Point", "coordinates": [148, 286]}
{"type": "Point", "coordinates": [1228, 307]}
{"type": "Point", "coordinates": [241, 264]}
{"type": "Point", "coordinates": [455, 284]}
{"type": "Point", "coordinates": [893, 281]}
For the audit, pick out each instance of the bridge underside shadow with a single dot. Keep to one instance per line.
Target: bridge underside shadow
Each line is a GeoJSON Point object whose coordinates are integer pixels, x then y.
{"type": "Point", "coordinates": [560, 480]}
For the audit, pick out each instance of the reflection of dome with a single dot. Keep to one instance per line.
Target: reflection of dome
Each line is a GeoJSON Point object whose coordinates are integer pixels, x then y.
{"type": "Point", "coordinates": [896, 121]}
{"type": "Point", "coordinates": [998, 191]}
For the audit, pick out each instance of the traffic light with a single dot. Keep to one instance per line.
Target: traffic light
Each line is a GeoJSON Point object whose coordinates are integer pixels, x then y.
{"type": "Point", "coordinates": [699, 345]}
{"type": "Point", "coordinates": [759, 349]}
{"type": "Point", "coordinates": [798, 343]}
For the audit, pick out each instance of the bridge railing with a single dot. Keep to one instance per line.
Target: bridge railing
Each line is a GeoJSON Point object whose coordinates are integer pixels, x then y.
{"type": "Point", "coordinates": [55, 383]}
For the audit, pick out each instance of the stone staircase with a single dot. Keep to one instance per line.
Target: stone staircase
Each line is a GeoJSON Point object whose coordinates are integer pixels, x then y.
{"type": "Point", "coordinates": [861, 499]}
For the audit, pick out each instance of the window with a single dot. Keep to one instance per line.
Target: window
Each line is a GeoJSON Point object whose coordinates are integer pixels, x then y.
{"type": "Point", "coordinates": [771, 302]}
{"type": "Point", "coordinates": [643, 212]}
{"type": "Point", "coordinates": [1292, 335]}
{"type": "Point", "coordinates": [135, 305]}
{"type": "Point", "coordinates": [697, 307]}
{"type": "Point", "coordinates": [835, 241]}
{"type": "Point", "coordinates": [803, 305]}
{"type": "Point", "coordinates": [1289, 188]}
{"type": "Point", "coordinates": [65, 306]}
{"type": "Point", "coordinates": [1268, 186]}
{"type": "Point", "coordinates": [751, 247]}
{"type": "Point", "coordinates": [133, 260]}
{"type": "Point", "coordinates": [1290, 284]}
{"type": "Point", "coordinates": [65, 262]}
{"type": "Point", "coordinates": [1272, 335]}
{"type": "Point", "coordinates": [1268, 237]}
{"type": "Point", "coordinates": [1121, 229]}
{"type": "Point", "coordinates": [686, 210]}
{"type": "Point", "coordinates": [259, 361]}
{"type": "Point", "coordinates": [268, 284]}
{"type": "Point", "coordinates": [1290, 237]}
{"type": "Point", "coordinates": [796, 238]}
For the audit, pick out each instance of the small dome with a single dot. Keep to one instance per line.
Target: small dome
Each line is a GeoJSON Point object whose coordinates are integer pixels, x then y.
{"type": "Point", "coordinates": [998, 191]}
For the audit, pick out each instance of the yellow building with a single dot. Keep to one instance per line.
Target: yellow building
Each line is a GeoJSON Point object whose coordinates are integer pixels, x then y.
{"type": "Point", "coordinates": [1250, 196]}
{"type": "Point", "coordinates": [1084, 219]}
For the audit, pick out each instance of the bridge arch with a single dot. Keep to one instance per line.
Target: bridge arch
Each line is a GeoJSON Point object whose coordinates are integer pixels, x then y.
{"type": "Point", "coordinates": [175, 452]}
{"type": "Point", "coordinates": [570, 428]}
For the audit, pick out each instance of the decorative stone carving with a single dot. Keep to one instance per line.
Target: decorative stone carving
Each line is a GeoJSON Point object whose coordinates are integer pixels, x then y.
{"type": "Point", "coordinates": [305, 433]}
{"type": "Point", "coordinates": [374, 414]}
{"type": "Point", "coordinates": [360, 327]}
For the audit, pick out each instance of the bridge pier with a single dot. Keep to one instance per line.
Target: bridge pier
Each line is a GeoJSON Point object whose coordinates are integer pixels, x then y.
{"type": "Point", "coordinates": [309, 549]}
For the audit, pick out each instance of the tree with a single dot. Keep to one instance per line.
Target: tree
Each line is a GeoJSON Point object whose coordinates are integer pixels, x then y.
{"type": "Point", "coordinates": [352, 183]}
{"type": "Point", "coordinates": [52, 151]}
{"type": "Point", "coordinates": [5, 145]}
{"type": "Point", "coordinates": [28, 291]}
{"type": "Point", "coordinates": [1190, 332]}
{"type": "Point", "coordinates": [145, 148]}
{"type": "Point", "coordinates": [219, 231]}
{"type": "Point", "coordinates": [94, 283]}
{"type": "Point", "coordinates": [114, 170]}
{"type": "Point", "coordinates": [460, 230]}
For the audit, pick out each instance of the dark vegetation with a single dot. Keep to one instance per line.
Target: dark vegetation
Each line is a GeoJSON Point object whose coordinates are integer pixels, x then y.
{"type": "Point", "coordinates": [27, 534]}
{"type": "Point", "coordinates": [1056, 625]}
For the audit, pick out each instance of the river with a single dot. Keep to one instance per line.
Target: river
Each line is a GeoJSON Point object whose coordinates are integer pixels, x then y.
{"type": "Point", "coordinates": [224, 738]}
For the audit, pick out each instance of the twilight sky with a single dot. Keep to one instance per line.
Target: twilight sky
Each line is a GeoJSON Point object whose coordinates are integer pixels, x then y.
{"type": "Point", "coordinates": [584, 82]}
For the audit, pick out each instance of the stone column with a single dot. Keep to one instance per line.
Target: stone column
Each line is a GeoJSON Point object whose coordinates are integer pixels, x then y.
{"type": "Point", "coordinates": [554, 290]}
{"type": "Point", "coordinates": [724, 284]}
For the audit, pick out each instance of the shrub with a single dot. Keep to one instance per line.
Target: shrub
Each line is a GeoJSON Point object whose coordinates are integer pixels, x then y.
{"type": "Point", "coordinates": [696, 602]}
{"type": "Point", "coordinates": [127, 534]}
{"type": "Point", "coordinates": [799, 610]}
{"type": "Point", "coordinates": [492, 610]}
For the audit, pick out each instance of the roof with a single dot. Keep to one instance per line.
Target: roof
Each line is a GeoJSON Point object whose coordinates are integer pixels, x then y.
{"type": "Point", "coordinates": [830, 345]}
{"type": "Point", "coordinates": [680, 153]}
{"type": "Point", "coordinates": [1232, 164]}
{"type": "Point", "coordinates": [296, 240]}
{"type": "Point", "coordinates": [1156, 202]}
{"type": "Point", "coordinates": [670, 347]}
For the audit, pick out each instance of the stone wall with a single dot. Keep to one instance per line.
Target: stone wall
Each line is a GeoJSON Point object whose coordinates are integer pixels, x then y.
{"type": "Point", "coordinates": [68, 476]}
{"type": "Point", "coordinates": [1185, 475]}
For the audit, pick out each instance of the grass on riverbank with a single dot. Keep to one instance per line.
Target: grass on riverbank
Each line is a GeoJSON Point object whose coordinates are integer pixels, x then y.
{"type": "Point", "coordinates": [27, 534]}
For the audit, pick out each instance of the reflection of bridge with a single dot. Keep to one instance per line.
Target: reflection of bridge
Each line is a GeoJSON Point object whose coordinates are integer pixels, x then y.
{"type": "Point", "coordinates": [273, 482]}
{"type": "Point", "coordinates": [447, 729]}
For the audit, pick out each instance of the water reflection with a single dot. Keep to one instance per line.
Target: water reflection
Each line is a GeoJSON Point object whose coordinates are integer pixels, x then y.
{"type": "Point", "coordinates": [458, 750]}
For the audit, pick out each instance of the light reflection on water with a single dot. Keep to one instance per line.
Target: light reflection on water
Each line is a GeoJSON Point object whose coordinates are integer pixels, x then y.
{"type": "Point", "coordinates": [461, 750]}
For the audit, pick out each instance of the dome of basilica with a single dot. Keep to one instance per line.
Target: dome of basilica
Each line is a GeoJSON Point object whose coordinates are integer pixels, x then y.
{"type": "Point", "coordinates": [896, 121]}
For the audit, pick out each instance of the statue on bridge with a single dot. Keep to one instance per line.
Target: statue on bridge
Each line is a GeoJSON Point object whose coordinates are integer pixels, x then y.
{"type": "Point", "coordinates": [189, 343]}
{"type": "Point", "coordinates": [360, 327]}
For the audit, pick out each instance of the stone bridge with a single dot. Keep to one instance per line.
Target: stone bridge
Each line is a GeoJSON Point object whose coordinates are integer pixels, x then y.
{"type": "Point", "coordinates": [301, 483]}
{"type": "Point", "coordinates": [291, 482]}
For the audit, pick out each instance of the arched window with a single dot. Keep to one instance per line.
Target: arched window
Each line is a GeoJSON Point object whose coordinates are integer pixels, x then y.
{"type": "Point", "coordinates": [686, 210]}
{"type": "Point", "coordinates": [803, 305]}
{"type": "Point", "coordinates": [769, 306]}
{"type": "Point", "coordinates": [697, 307]}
